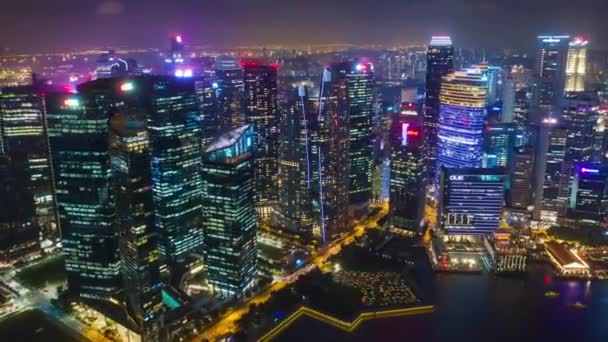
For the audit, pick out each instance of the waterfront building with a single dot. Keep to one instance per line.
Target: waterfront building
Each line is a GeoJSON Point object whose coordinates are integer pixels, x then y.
{"type": "Point", "coordinates": [440, 62]}
{"type": "Point", "coordinates": [471, 200]}
{"type": "Point", "coordinates": [566, 261]}
{"type": "Point", "coordinates": [589, 195]}
{"type": "Point", "coordinates": [229, 211]}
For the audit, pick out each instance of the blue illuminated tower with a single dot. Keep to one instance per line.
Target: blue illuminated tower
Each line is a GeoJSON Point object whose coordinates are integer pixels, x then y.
{"type": "Point", "coordinates": [229, 211]}
{"type": "Point", "coordinates": [461, 119]}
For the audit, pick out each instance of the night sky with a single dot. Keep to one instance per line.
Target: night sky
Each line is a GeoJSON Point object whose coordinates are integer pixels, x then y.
{"type": "Point", "coordinates": [36, 25]}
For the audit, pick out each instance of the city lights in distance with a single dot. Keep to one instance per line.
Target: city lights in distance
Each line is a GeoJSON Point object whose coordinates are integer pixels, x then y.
{"type": "Point", "coordinates": [127, 86]}
{"type": "Point", "coordinates": [71, 102]}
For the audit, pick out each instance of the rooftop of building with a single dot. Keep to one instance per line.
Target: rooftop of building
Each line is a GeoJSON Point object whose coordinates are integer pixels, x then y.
{"type": "Point", "coordinates": [227, 139]}
{"type": "Point", "coordinates": [563, 255]}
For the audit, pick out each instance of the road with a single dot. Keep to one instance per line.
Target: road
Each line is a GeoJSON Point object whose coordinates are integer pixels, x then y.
{"type": "Point", "coordinates": [227, 323]}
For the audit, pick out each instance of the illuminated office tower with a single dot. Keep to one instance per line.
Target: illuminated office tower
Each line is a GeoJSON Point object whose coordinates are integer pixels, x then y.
{"type": "Point", "coordinates": [360, 84]}
{"type": "Point", "coordinates": [295, 169]}
{"type": "Point", "coordinates": [520, 196]}
{"type": "Point", "coordinates": [472, 200]}
{"type": "Point", "coordinates": [175, 146]}
{"type": "Point", "coordinates": [261, 111]}
{"type": "Point", "coordinates": [406, 194]}
{"type": "Point", "coordinates": [175, 58]}
{"type": "Point", "coordinates": [499, 145]}
{"type": "Point", "coordinates": [551, 172]}
{"type": "Point", "coordinates": [508, 101]}
{"type": "Point", "coordinates": [496, 84]}
{"type": "Point", "coordinates": [461, 119]}
{"type": "Point", "coordinates": [139, 250]}
{"type": "Point", "coordinates": [551, 76]}
{"type": "Point", "coordinates": [19, 233]}
{"type": "Point", "coordinates": [229, 93]}
{"type": "Point", "coordinates": [229, 211]}
{"type": "Point", "coordinates": [330, 150]}
{"type": "Point", "coordinates": [78, 134]}
{"type": "Point", "coordinates": [440, 62]}
{"type": "Point", "coordinates": [579, 117]}
{"type": "Point", "coordinates": [589, 197]}
{"type": "Point", "coordinates": [209, 115]}
{"type": "Point", "coordinates": [576, 64]}
{"type": "Point", "coordinates": [24, 140]}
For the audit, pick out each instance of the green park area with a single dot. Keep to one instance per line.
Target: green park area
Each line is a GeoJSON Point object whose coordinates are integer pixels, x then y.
{"type": "Point", "coordinates": [33, 326]}
{"type": "Point", "coordinates": [47, 271]}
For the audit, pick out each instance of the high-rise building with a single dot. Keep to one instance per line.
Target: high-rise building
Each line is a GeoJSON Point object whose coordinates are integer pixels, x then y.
{"type": "Point", "coordinates": [499, 145]}
{"type": "Point", "coordinates": [262, 112]}
{"type": "Point", "coordinates": [139, 240]}
{"type": "Point", "coordinates": [461, 119]}
{"type": "Point", "coordinates": [520, 196]}
{"type": "Point", "coordinates": [551, 172]}
{"type": "Point", "coordinates": [589, 196]}
{"type": "Point", "coordinates": [472, 200]}
{"type": "Point", "coordinates": [294, 210]}
{"type": "Point", "coordinates": [78, 133]}
{"type": "Point", "coordinates": [440, 62]}
{"type": "Point", "coordinates": [24, 140]}
{"type": "Point", "coordinates": [576, 64]}
{"type": "Point", "coordinates": [330, 151]}
{"type": "Point", "coordinates": [407, 192]}
{"type": "Point", "coordinates": [579, 117]}
{"type": "Point", "coordinates": [508, 101]}
{"type": "Point", "coordinates": [19, 233]}
{"type": "Point", "coordinates": [229, 93]}
{"type": "Point", "coordinates": [360, 84]}
{"type": "Point", "coordinates": [176, 62]}
{"type": "Point", "coordinates": [551, 76]}
{"type": "Point", "coordinates": [229, 211]}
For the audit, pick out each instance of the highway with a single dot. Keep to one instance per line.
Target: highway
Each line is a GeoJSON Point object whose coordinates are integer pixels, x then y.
{"type": "Point", "coordinates": [226, 324]}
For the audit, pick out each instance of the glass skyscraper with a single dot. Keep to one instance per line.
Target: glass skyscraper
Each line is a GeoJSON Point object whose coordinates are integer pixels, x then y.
{"type": "Point", "coordinates": [576, 65]}
{"type": "Point", "coordinates": [229, 93]}
{"type": "Point", "coordinates": [440, 62]}
{"type": "Point", "coordinates": [229, 211]}
{"type": "Point", "coordinates": [139, 240]}
{"type": "Point", "coordinates": [78, 134]}
{"type": "Point", "coordinates": [551, 69]}
{"type": "Point", "coordinates": [261, 111]}
{"type": "Point", "coordinates": [589, 196]}
{"type": "Point", "coordinates": [24, 140]}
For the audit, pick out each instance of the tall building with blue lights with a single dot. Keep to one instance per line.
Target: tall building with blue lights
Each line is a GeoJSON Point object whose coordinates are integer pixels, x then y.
{"type": "Point", "coordinates": [440, 62]}
{"type": "Point", "coordinates": [229, 211]}
{"type": "Point", "coordinates": [589, 197]}
{"type": "Point", "coordinates": [461, 119]}
{"type": "Point", "coordinates": [472, 200]}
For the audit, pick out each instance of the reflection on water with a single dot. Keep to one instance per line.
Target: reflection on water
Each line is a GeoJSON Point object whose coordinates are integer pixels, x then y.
{"type": "Point", "coordinates": [486, 308]}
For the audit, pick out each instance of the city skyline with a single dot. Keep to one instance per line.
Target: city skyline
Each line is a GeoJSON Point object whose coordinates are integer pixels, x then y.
{"type": "Point", "coordinates": [236, 22]}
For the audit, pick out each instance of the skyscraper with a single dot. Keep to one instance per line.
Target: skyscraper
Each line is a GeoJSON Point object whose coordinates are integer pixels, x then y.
{"type": "Point", "coordinates": [330, 151]}
{"type": "Point", "coordinates": [579, 117]}
{"type": "Point", "coordinates": [360, 84]}
{"type": "Point", "coordinates": [261, 111]}
{"type": "Point", "coordinates": [24, 140]}
{"type": "Point", "coordinates": [78, 134]}
{"type": "Point", "coordinates": [521, 187]}
{"type": "Point", "coordinates": [472, 200]}
{"type": "Point", "coordinates": [589, 197]}
{"type": "Point", "coordinates": [576, 64]}
{"type": "Point", "coordinates": [551, 75]}
{"type": "Point", "coordinates": [139, 249]}
{"type": "Point", "coordinates": [229, 93]}
{"type": "Point", "coordinates": [406, 194]}
{"type": "Point", "coordinates": [440, 62]}
{"type": "Point", "coordinates": [295, 173]}
{"type": "Point", "coordinates": [19, 233]}
{"type": "Point", "coordinates": [499, 145]}
{"type": "Point", "coordinates": [461, 119]}
{"type": "Point", "coordinates": [229, 211]}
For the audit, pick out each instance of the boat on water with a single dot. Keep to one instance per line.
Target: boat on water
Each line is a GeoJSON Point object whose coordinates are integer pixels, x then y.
{"type": "Point", "coordinates": [578, 305]}
{"type": "Point", "coordinates": [551, 294]}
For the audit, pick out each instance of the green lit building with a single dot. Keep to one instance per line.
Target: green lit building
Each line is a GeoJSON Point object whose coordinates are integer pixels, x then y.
{"type": "Point", "coordinates": [229, 211]}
